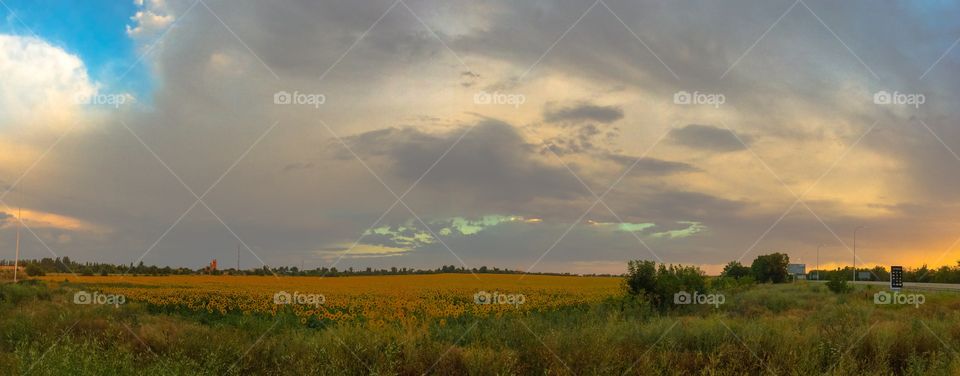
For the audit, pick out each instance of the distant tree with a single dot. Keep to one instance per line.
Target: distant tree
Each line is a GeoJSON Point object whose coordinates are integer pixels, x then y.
{"type": "Point", "coordinates": [838, 284]}
{"type": "Point", "coordinates": [735, 270]}
{"type": "Point", "coordinates": [641, 276]}
{"type": "Point", "coordinates": [659, 283]}
{"type": "Point", "coordinates": [922, 274]}
{"type": "Point", "coordinates": [34, 270]}
{"type": "Point", "coordinates": [770, 268]}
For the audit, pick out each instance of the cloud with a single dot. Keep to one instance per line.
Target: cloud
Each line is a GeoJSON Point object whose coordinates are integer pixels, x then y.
{"type": "Point", "coordinates": [360, 251]}
{"type": "Point", "coordinates": [651, 165]}
{"type": "Point", "coordinates": [41, 82]}
{"type": "Point", "coordinates": [289, 167]}
{"type": "Point", "coordinates": [709, 138]}
{"type": "Point", "coordinates": [491, 164]}
{"type": "Point", "coordinates": [582, 138]}
{"type": "Point", "coordinates": [43, 220]}
{"type": "Point", "coordinates": [599, 99]}
{"type": "Point", "coordinates": [583, 111]}
{"type": "Point", "coordinates": [151, 18]}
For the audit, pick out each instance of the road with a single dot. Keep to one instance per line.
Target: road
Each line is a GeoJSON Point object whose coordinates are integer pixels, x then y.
{"type": "Point", "coordinates": [912, 285]}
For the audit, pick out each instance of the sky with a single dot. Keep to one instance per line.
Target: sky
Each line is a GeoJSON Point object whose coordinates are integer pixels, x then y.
{"type": "Point", "coordinates": [549, 136]}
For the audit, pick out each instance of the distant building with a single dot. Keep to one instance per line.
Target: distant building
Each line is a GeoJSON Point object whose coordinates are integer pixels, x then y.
{"type": "Point", "coordinates": [10, 268]}
{"type": "Point", "coordinates": [798, 271]}
{"type": "Point", "coordinates": [212, 267]}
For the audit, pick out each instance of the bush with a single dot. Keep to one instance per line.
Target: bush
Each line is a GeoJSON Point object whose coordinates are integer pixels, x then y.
{"type": "Point", "coordinates": [770, 268]}
{"type": "Point", "coordinates": [838, 284]}
{"type": "Point", "coordinates": [34, 270]}
{"type": "Point", "coordinates": [641, 276]}
{"type": "Point", "coordinates": [659, 283]}
{"type": "Point", "coordinates": [26, 290]}
{"type": "Point", "coordinates": [728, 283]}
{"type": "Point", "coordinates": [735, 270]}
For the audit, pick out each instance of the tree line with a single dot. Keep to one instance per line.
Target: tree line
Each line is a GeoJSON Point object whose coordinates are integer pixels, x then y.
{"type": "Point", "coordinates": [659, 283]}
{"type": "Point", "coordinates": [66, 265]}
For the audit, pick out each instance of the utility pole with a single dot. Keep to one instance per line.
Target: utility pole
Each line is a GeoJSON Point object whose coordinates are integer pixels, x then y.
{"type": "Point", "coordinates": [818, 260]}
{"type": "Point", "coordinates": [855, 252]}
{"type": "Point", "coordinates": [238, 258]}
{"type": "Point", "coordinates": [16, 259]}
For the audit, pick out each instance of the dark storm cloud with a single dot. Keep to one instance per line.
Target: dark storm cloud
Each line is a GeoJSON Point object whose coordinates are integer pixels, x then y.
{"type": "Point", "coordinates": [680, 205]}
{"type": "Point", "coordinates": [583, 112]}
{"type": "Point", "coordinates": [491, 162]}
{"type": "Point", "coordinates": [652, 165]}
{"type": "Point", "coordinates": [709, 138]}
{"type": "Point", "coordinates": [582, 138]}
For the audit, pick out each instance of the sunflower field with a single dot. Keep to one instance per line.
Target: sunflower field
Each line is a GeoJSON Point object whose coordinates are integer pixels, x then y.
{"type": "Point", "coordinates": [373, 300]}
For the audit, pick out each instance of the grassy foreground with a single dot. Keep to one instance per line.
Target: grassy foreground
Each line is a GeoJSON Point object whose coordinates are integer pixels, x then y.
{"type": "Point", "coordinates": [799, 329]}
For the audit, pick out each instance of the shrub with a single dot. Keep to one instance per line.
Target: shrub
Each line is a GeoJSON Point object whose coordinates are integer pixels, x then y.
{"type": "Point", "coordinates": [727, 283]}
{"type": "Point", "coordinates": [34, 270]}
{"type": "Point", "coordinates": [735, 270]}
{"type": "Point", "coordinates": [25, 290]}
{"type": "Point", "coordinates": [838, 284]}
{"type": "Point", "coordinates": [641, 276]}
{"type": "Point", "coordinates": [659, 283]}
{"type": "Point", "coordinates": [770, 268]}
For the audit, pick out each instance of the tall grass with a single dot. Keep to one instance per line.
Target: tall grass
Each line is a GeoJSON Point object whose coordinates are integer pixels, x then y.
{"type": "Point", "coordinates": [779, 329]}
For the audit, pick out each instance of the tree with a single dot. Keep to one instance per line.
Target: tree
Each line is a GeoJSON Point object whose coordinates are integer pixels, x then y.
{"type": "Point", "coordinates": [641, 276]}
{"type": "Point", "coordinates": [735, 270]}
{"type": "Point", "coordinates": [659, 283]}
{"type": "Point", "coordinates": [922, 275]}
{"type": "Point", "coordinates": [34, 270]}
{"type": "Point", "coordinates": [838, 284]}
{"type": "Point", "coordinates": [770, 268]}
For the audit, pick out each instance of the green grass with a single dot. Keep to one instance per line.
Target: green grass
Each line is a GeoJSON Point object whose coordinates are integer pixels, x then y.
{"type": "Point", "coordinates": [800, 329]}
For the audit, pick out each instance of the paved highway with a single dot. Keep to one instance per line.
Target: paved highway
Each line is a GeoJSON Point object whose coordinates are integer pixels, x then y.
{"type": "Point", "coordinates": [913, 285]}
